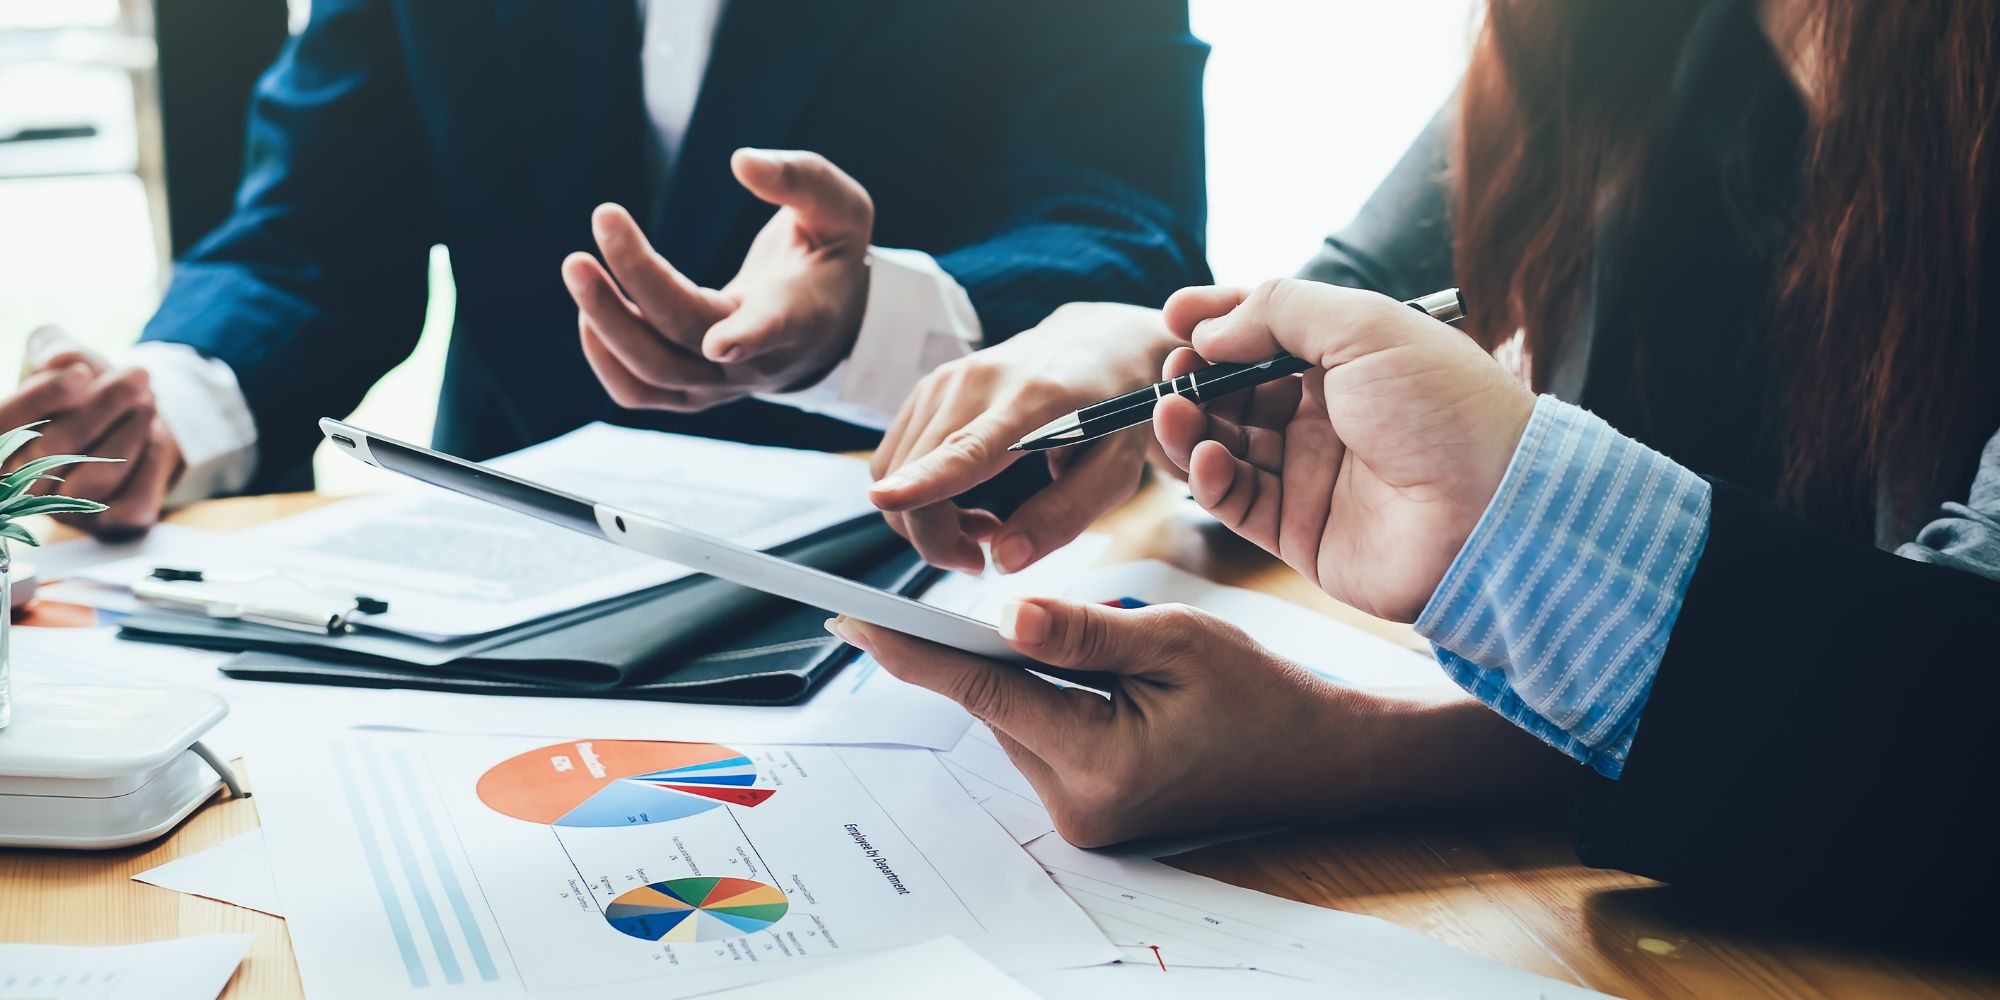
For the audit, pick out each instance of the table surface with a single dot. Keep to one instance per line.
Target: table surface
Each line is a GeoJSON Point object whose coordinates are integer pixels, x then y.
{"type": "Point", "coordinates": [1511, 892]}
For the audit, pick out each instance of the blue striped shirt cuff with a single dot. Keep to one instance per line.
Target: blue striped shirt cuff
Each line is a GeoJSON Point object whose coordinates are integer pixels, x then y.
{"type": "Point", "coordinates": [1557, 610]}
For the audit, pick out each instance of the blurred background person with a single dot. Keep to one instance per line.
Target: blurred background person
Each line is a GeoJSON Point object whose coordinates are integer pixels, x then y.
{"type": "Point", "coordinates": [973, 136]}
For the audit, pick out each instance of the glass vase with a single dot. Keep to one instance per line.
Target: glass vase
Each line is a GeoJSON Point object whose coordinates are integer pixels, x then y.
{"type": "Point", "coordinates": [6, 629]}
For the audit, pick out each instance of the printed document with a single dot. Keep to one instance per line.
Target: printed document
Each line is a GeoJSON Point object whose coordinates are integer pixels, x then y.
{"type": "Point", "coordinates": [941, 967]}
{"type": "Point", "coordinates": [1162, 915]}
{"type": "Point", "coordinates": [593, 867]}
{"type": "Point", "coordinates": [194, 968]}
{"type": "Point", "coordinates": [450, 566]}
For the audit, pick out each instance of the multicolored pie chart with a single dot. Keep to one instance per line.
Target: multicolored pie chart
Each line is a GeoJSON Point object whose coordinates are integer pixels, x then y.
{"type": "Point", "coordinates": [697, 909]}
{"type": "Point", "coordinates": [620, 782]}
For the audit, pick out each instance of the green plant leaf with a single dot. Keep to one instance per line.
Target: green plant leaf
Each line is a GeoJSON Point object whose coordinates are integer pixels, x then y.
{"type": "Point", "coordinates": [30, 506]}
{"type": "Point", "coordinates": [17, 533]}
{"type": "Point", "coordinates": [49, 463]}
{"type": "Point", "coordinates": [14, 486]}
{"type": "Point", "coordinates": [12, 441]}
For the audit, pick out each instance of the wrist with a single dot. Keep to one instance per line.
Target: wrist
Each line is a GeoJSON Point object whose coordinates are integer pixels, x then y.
{"type": "Point", "coordinates": [1428, 751]}
{"type": "Point", "coordinates": [844, 322]}
{"type": "Point", "coordinates": [1090, 351]}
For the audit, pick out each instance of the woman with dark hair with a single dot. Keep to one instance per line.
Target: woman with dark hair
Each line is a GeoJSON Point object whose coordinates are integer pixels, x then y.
{"type": "Point", "coordinates": [1747, 252]}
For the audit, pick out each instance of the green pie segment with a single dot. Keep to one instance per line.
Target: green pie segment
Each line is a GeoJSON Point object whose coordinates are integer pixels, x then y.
{"type": "Point", "coordinates": [697, 909]}
{"type": "Point", "coordinates": [768, 912]}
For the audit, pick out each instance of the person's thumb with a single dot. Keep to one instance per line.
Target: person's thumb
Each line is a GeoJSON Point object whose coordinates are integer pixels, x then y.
{"type": "Point", "coordinates": [1095, 637]}
{"type": "Point", "coordinates": [1326, 324]}
{"type": "Point", "coordinates": [832, 207]}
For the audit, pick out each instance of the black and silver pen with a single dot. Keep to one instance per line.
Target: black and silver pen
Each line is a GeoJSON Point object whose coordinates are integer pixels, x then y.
{"type": "Point", "coordinates": [1214, 382]}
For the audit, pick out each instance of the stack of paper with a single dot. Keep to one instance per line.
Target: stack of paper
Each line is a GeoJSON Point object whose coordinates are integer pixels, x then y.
{"type": "Point", "coordinates": [449, 566]}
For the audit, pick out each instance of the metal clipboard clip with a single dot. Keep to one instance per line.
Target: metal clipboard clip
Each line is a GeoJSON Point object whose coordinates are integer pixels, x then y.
{"type": "Point", "coordinates": [271, 597]}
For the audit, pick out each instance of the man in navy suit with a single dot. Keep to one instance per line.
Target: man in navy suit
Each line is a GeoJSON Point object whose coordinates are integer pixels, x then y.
{"type": "Point", "coordinates": [1017, 155]}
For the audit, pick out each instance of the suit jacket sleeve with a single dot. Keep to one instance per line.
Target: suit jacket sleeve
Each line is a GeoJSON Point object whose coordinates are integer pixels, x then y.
{"type": "Point", "coordinates": [1819, 734]}
{"type": "Point", "coordinates": [1399, 244]}
{"type": "Point", "coordinates": [1101, 195]}
{"type": "Point", "coordinates": [330, 236]}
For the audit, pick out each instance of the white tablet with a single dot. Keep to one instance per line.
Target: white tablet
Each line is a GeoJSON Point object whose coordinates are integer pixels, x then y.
{"type": "Point", "coordinates": [702, 553]}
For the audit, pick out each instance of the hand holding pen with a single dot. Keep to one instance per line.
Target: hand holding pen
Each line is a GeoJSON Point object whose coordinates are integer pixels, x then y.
{"type": "Point", "coordinates": [952, 434]}
{"type": "Point", "coordinates": [1200, 386]}
{"type": "Point", "coordinates": [1367, 473]}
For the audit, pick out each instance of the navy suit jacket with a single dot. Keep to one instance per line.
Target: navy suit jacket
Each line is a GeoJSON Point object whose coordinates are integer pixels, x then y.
{"type": "Point", "coordinates": [1043, 150]}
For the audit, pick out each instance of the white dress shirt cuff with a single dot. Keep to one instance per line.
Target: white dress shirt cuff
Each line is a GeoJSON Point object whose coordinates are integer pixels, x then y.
{"type": "Point", "coordinates": [917, 318]}
{"type": "Point", "coordinates": [203, 407]}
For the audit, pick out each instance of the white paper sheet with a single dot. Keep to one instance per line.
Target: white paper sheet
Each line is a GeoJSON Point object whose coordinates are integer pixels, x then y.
{"type": "Point", "coordinates": [1140, 981]}
{"type": "Point", "coordinates": [166, 543]}
{"type": "Point", "coordinates": [942, 967]}
{"type": "Point", "coordinates": [1024, 819]}
{"type": "Point", "coordinates": [195, 968]}
{"type": "Point", "coordinates": [406, 860]}
{"type": "Point", "coordinates": [236, 871]}
{"type": "Point", "coordinates": [862, 704]}
{"type": "Point", "coordinates": [1333, 649]}
{"type": "Point", "coordinates": [451, 566]}
{"type": "Point", "coordinates": [1199, 922]}
{"type": "Point", "coordinates": [978, 753]}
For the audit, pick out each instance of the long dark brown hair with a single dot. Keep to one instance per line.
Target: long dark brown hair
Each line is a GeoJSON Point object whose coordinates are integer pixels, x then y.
{"type": "Point", "coordinates": [1881, 359]}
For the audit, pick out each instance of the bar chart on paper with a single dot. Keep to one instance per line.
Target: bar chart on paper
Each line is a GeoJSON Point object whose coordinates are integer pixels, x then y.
{"type": "Point", "coordinates": [607, 868]}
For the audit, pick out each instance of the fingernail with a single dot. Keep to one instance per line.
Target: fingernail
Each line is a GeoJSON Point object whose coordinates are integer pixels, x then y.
{"type": "Point", "coordinates": [1024, 623]}
{"type": "Point", "coordinates": [893, 481]}
{"type": "Point", "coordinates": [76, 374]}
{"type": "Point", "coordinates": [837, 626]}
{"type": "Point", "coordinates": [1012, 553]}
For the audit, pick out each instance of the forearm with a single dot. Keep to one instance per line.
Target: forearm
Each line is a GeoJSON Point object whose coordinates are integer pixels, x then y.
{"type": "Point", "coordinates": [1439, 751]}
{"type": "Point", "coordinates": [316, 284]}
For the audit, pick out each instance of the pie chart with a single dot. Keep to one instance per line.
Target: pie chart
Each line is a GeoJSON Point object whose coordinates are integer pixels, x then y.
{"type": "Point", "coordinates": [697, 909]}
{"type": "Point", "coordinates": [620, 783]}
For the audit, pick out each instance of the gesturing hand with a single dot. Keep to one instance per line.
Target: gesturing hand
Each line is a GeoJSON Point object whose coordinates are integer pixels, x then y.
{"type": "Point", "coordinates": [1367, 473]}
{"type": "Point", "coordinates": [953, 432]}
{"type": "Point", "coordinates": [659, 341]}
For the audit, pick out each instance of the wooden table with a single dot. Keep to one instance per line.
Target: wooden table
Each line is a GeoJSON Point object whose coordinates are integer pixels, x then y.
{"type": "Point", "coordinates": [1514, 893]}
